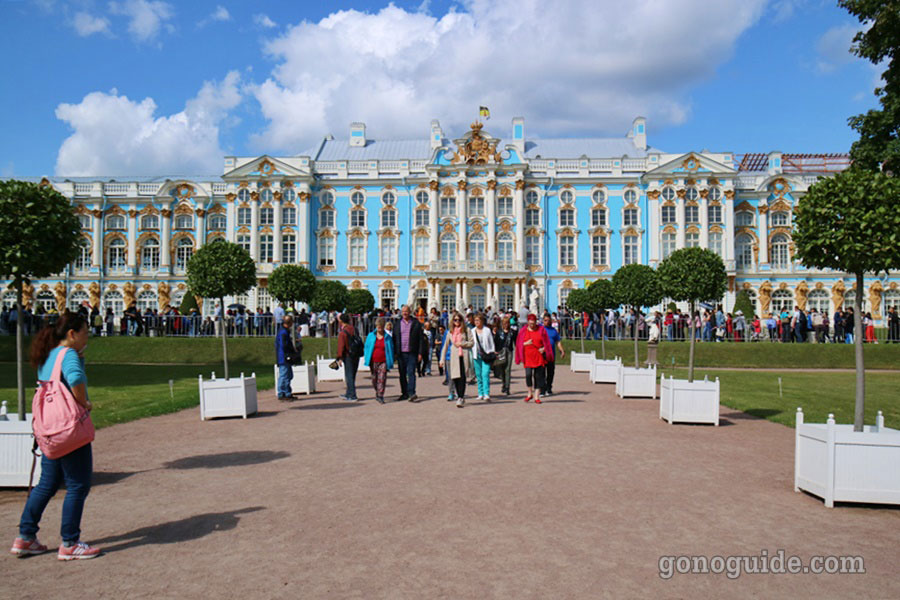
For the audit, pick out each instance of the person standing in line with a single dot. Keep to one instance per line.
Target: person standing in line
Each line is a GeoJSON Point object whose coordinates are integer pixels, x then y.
{"type": "Point", "coordinates": [484, 345]}
{"type": "Point", "coordinates": [849, 323]}
{"type": "Point", "coordinates": [740, 326]}
{"type": "Point", "coordinates": [550, 359]}
{"type": "Point", "coordinates": [409, 349]}
{"type": "Point", "coordinates": [346, 357]}
{"type": "Point", "coordinates": [893, 322]}
{"type": "Point", "coordinates": [532, 349]}
{"type": "Point", "coordinates": [379, 357]}
{"type": "Point", "coordinates": [869, 328]}
{"type": "Point", "coordinates": [425, 364]}
{"type": "Point", "coordinates": [70, 336]}
{"type": "Point", "coordinates": [505, 343]}
{"type": "Point", "coordinates": [284, 347]}
{"type": "Point", "coordinates": [444, 350]}
{"type": "Point", "coordinates": [838, 320]}
{"type": "Point", "coordinates": [459, 340]}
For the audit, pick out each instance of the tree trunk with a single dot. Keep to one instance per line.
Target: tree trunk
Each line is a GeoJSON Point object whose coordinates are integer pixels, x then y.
{"type": "Point", "coordinates": [859, 414]}
{"type": "Point", "coordinates": [634, 325]}
{"type": "Point", "coordinates": [224, 336]}
{"type": "Point", "coordinates": [603, 337]}
{"type": "Point", "coordinates": [691, 352]}
{"type": "Point", "coordinates": [20, 378]}
{"type": "Point", "coordinates": [328, 331]}
{"type": "Point", "coordinates": [583, 331]}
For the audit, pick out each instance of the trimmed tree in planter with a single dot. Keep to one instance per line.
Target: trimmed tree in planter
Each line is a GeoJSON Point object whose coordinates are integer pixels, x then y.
{"type": "Point", "coordinates": [218, 270]}
{"type": "Point", "coordinates": [329, 295]}
{"type": "Point", "coordinates": [850, 223]}
{"type": "Point", "coordinates": [579, 300]}
{"type": "Point", "coordinates": [603, 297]}
{"type": "Point", "coordinates": [291, 284]}
{"type": "Point", "coordinates": [691, 275]}
{"type": "Point", "coordinates": [743, 303]}
{"type": "Point", "coordinates": [636, 286]}
{"type": "Point", "coordinates": [360, 302]}
{"type": "Point", "coordinates": [39, 236]}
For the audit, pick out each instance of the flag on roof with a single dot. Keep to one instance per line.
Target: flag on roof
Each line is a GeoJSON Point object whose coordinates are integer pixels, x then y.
{"type": "Point", "coordinates": [484, 112]}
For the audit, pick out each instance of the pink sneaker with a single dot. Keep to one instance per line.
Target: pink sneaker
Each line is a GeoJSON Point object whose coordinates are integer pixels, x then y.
{"type": "Point", "coordinates": [78, 551]}
{"type": "Point", "coordinates": [22, 548]}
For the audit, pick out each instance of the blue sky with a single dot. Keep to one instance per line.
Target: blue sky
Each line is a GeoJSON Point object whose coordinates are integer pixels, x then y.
{"type": "Point", "coordinates": [141, 87]}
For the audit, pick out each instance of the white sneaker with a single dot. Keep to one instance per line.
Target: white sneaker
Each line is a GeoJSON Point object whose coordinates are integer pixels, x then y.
{"type": "Point", "coordinates": [480, 398]}
{"type": "Point", "coordinates": [487, 398]}
{"type": "Point", "coordinates": [460, 403]}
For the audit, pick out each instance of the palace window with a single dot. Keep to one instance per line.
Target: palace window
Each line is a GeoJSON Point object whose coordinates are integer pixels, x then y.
{"type": "Point", "coordinates": [476, 206]}
{"type": "Point", "coordinates": [146, 300]}
{"type": "Point", "coordinates": [532, 250]}
{"type": "Point", "coordinates": [630, 196]}
{"type": "Point", "coordinates": [476, 247]}
{"type": "Point", "coordinates": [115, 256]}
{"type": "Point", "coordinates": [566, 197]}
{"type": "Point", "coordinates": [388, 218]}
{"type": "Point", "coordinates": [183, 252]}
{"type": "Point", "coordinates": [448, 206]}
{"type": "Point", "coordinates": [115, 222]}
{"type": "Point", "coordinates": [691, 214]}
{"type": "Point", "coordinates": [780, 219]}
{"type": "Point", "coordinates": [850, 300]}
{"type": "Point", "coordinates": [532, 217]}
{"type": "Point", "coordinates": [507, 297]}
{"type": "Point", "coordinates": [715, 194]}
{"type": "Point", "coordinates": [289, 248]}
{"type": "Point", "coordinates": [288, 195]}
{"type": "Point", "coordinates": [531, 197]}
{"type": "Point", "coordinates": [630, 217]}
{"type": "Point", "coordinates": [288, 215]}
{"type": "Point", "coordinates": [692, 240]}
{"type": "Point", "coordinates": [505, 248]}
{"type": "Point", "coordinates": [891, 299]}
{"type": "Point", "coordinates": [217, 222]}
{"type": "Point", "coordinates": [267, 215]}
{"type": "Point", "coordinates": [83, 258]}
{"type": "Point", "coordinates": [149, 222]}
{"type": "Point", "coordinates": [326, 252]}
{"type": "Point", "coordinates": [743, 251]}
{"type": "Point", "coordinates": [263, 298]}
{"type": "Point", "coordinates": [630, 249]}
{"type": "Point", "coordinates": [691, 194]}
{"type": "Point", "coordinates": [780, 253]}
{"type": "Point", "coordinates": [388, 252]}
{"type": "Point", "coordinates": [505, 206]}
{"type": "Point", "coordinates": [422, 215]}
{"type": "Point", "coordinates": [599, 196]}
{"type": "Point", "coordinates": [388, 198]}
{"type": "Point", "coordinates": [420, 251]}
{"type": "Point", "coordinates": [818, 299]}
{"type": "Point", "coordinates": [598, 251]}
{"type": "Point", "coordinates": [564, 296]}
{"type": "Point", "coordinates": [357, 198]}
{"type": "Point", "coordinates": [668, 193]}
{"type": "Point", "coordinates": [715, 242]}
{"type": "Point", "coordinates": [244, 216]}
{"type": "Point", "coordinates": [598, 217]}
{"type": "Point", "coordinates": [326, 198]}
{"type": "Point", "coordinates": [358, 218]}
{"type": "Point", "coordinates": [714, 212]}
{"type": "Point", "coordinates": [326, 218]}
{"type": "Point", "coordinates": [243, 195]}
{"type": "Point", "coordinates": [266, 248]}
{"type": "Point", "coordinates": [85, 221]}
{"type": "Point", "coordinates": [184, 222]}
{"type": "Point", "coordinates": [668, 244]}
{"type": "Point", "coordinates": [150, 255]}
{"type": "Point", "coordinates": [477, 298]}
{"type": "Point", "coordinates": [567, 251]}
{"type": "Point", "coordinates": [744, 219]}
{"type": "Point", "coordinates": [668, 214]}
{"type": "Point", "coordinates": [115, 301]}
{"type": "Point", "coordinates": [448, 247]}
{"type": "Point", "coordinates": [422, 197]}
{"type": "Point", "coordinates": [266, 195]}
{"type": "Point", "coordinates": [782, 300]}
{"type": "Point", "coordinates": [388, 299]}
{"type": "Point", "coordinates": [357, 252]}
{"type": "Point", "coordinates": [567, 217]}
{"type": "Point", "coordinates": [244, 242]}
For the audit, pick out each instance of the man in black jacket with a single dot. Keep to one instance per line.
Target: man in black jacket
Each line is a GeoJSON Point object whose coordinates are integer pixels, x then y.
{"type": "Point", "coordinates": [409, 348]}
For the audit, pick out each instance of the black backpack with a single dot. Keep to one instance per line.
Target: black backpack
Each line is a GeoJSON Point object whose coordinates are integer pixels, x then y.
{"type": "Point", "coordinates": [355, 345]}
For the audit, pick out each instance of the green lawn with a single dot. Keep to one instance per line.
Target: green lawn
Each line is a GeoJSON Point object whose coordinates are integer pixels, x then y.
{"type": "Point", "coordinates": [757, 393]}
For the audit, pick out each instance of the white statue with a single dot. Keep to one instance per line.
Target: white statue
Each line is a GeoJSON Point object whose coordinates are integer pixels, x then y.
{"type": "Point", "coordinates": [654, 330]}
{"type": "Point", "coordinates": [494, 304]}
{"type": "Point", "coordinates": [534, 301]}
{"type": "Point", "coordinates": [411, 298]}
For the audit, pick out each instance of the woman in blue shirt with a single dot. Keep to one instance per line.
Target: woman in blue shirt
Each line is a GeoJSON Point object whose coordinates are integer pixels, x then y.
{"type": "Point", "coordinates": [70, 335]}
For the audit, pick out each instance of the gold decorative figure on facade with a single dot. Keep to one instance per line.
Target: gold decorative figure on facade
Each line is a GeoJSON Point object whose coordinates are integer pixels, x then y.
{"type": "Point", "coordinates": [60, 291]}
{"type": "Point", "coordinates": [837, 294]}
{"type": "Point", "coordinates": [163, 290]}
{"type": "Point", "coordinates": [801, 292]}
{"type": "Point", "coordinates": [875, 291]}
{"type": "Point", "coordinates": [94, 292]}
{"type": "Point", "coordinates": [765, 296]}
{"type": "Point", "coordinates": [128, 291]}
{"type": "Point", "coordinates": [477, 150]}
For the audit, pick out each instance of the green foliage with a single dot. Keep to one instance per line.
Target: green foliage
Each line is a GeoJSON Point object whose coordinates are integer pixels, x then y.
{"type": "Point", "coordinates": [329, 295]}
{"type": "Point", "coordinates": [879, 42]}
{"type": "Point", "coordinates": [603, 294]}
{"type": "Point", "coordinates": [221, 269]}
{"type": "Point", "coordinates": [744, 304]}
{"type": "Point", "coordinates": [39, 233]}
{"type": "Point", "coordinates": [360, 301]}
{"type": "Point", "coordinates": [637, 285]}
{"type": "Point", "coordinates": [187, 303]}
{"type": "Point", "coordinates": [292, 283]}
{"type": "Point", "coordinates": [692, 274]}
{"type": "Point", "coordinates": [579, 300]}
{"type": "Point", "coordinates": [850, 223]}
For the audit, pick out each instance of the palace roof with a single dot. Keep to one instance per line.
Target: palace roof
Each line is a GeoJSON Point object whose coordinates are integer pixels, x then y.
{"type": "Point", "coordinates": [795, 163]}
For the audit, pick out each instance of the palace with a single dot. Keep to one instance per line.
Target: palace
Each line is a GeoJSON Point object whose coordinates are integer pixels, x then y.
{"type": "Point", "coordinates": [474, 220]}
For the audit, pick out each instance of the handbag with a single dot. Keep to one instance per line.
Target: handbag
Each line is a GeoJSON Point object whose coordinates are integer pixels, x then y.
{"type": "Point", "coordinates": [502, 358]}
{"type": "Point", "coordinates": [59, 423]}
{"type": "Point", "coordinates": [488, 357]}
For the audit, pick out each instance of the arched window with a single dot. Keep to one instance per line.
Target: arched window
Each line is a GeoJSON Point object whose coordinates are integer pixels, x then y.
{"type": "Point", "coordinates": [477, 297]}
{"type": "Point", "coordinates": [288, 195]}
{"type": "Point", "coordinates": [266, 195]}
{"type": "Point", "coordinates": [819, 300]}
{"type": "Point", "coordinates": [389, 199]}
{"type": "Point", "coordinates": [388, 217]}
{"type": "Point", "coordinates": [448, 298]}
{"type": "Point", "coordinates": [266, 215]}
{"type": "Point", "coordinates": [288, 248]}
{"type": "Point", "coordinates": [266, 248]}
{"type": "Point", "coordinates": [448, 247]}
{"type": "Point", "coordinates": [115, 256]}
{"type": "Point", "coordinates": [183, 252]}
{"type": "Point", "coordinates": [567, 197]}
{"type": "Point", "coordinates": [358, 198]}
{"type": "Point", "coordinates": [850, 300]}
{"type": "Point", "coordinates": [505, 249]}
{"type": "Point", "coordinates": [744, 219]}
{"type": "Point", "coordinates": [45, 301]}
{"type": "Point", "coordinates": [76, 298]}
{"type": "Point", "coordinates": [184, 222]}
{"type": "Point", "coordinates": [326, 198]}
{"type": "Point", "coordinates": [244, 215]}
{"type": "Point", "coordinates": [422, 197]}
{"type": "Point", "coordinates": [505, 206]}
{"type": "Point", "coordinates": [149, 222]}
{"type": "Point", "coordinates": [115, 222]}
{"type": "Point", "coordinates": [630, 196]}
{"type": "Point", "coordinates": [506, 297]}
{"type": "Point", "coordinates": [146, 299]}
{"type": "Point", "coordinates": [421, 251]}
{"type": "Point", "coordinates": [780, 257]}
{"type": "Point", "coordinates": [217, 222]}
{"type": "Point", "coordinates": [567, 250]}
{"type": "Point", "coordinates": [599, 251]}
{"type": "Point", "coordinates": [715, 242]}
{"type": "Point", "coordinates": [388, 252]}
{"type": "Point", "coordinates": [243, 195]}
{"type": "Point", "coordinates": [83, 258]}
{"type": "Point", "coordinates": [691, 194]}
{"type": "Point", "coordinates": [714, 194]}
{"type": "Point", "coordinates": [326, 218]}
{"type": "Point", "coordinates": [476, 247]}
{"type": "Point", "coordinates": [357, 252]}
{"type": "Point", "coordinates": [567, 217]}
{"type": "Point", "coordinates": [780, 219]}
{"type": "Point", "coordinates": [782, 300]}
{"type": "Point", "coordinates": [630, 249]}
{"type": "Point", "coordinates": [326, 251]}
{"type": "Point", "coordinates": [668, 244]}
{"type": "Point", "coordinates": [288, 215]}
{"type": "Point", "coordinates": [668, 193]}
{"type": "Point", "coordinates": [114, 300]}
{"type": "Point", "coordinates": [150, 255]}
{"type": "Point", "coordinates": [532, 250]}
{"type": "Point", "coordinates": [563, 296]}
{"type": "Point", "coordinates": [531, 197]}
{"type": "Point", "coordinates": [743, 246]}
{"type": "Point", "coordinates": [891, 299]}
{"type": "Point", "coordinates": [176, 299]}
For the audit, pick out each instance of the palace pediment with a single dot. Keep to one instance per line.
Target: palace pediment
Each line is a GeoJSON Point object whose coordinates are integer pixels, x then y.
{"type": "Point", "coordinates": [690, 164]}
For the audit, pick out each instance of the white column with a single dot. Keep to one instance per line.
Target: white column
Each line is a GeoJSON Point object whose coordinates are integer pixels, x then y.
{"type": "Point", "coordinates": [230, 217]}
{"type": "Point", "coordinates": [276, 227]}
{"type": "Point", "coordinates": [254, 227]}
{"type": "Point", "coordinates": [763, 236]}
{"type": "Point", "coordinates": [491, 209]}
{"type": "Point", "coordinates": [519, 213]}
{"type": "Point", "coordinates": [461, 207]}
{"type": "Point", "coordinates": [704, 221]}
{"type": "Point", "coordinates": [680, 219]}
{"type": "Point", "coordinates": [459, 293]}
{"type": "Point", "coordinates": [653, 207]}
{"type": "Point", "coordinates": [200, 227]}
{"type": "Point", "coordinates": [165, 234]}
{"type": "Point", "coordinates": [517, 301]}
{"type": "Point", "coordinates": [465, 292]}
{"type": "Point", "coordinates": [132, 240]}
{"type": "Point", "coordinates": [729, 229]}
{"type": "Point", "coordinates": [433, 221]}
{"type": "Point", "coordinates": [304, 237]}
{"type": "Point", "coordinates": [97, 258]}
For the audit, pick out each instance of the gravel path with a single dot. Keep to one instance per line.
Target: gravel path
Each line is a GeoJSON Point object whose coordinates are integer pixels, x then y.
{"type": "Point", "coordinates": [577, 498]}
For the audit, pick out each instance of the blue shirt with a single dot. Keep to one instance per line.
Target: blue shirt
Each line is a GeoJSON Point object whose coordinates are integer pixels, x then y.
{"type": "Point", "coordinates": [72, 368]}
{"type": "Point", "coordinates": [554, 336]}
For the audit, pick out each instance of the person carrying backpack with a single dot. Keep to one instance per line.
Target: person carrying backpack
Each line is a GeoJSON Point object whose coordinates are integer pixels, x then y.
{"type": "Point", "coordinates": [56, 354]}
{"type": "Point", "coordinates": [350, 350]}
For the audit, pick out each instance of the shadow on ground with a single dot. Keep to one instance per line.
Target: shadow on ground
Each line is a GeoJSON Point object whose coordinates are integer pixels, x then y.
{"type": "Point", "coordinates": [173, 532]}
{"type": "Point", "coordinates": [226, 459]}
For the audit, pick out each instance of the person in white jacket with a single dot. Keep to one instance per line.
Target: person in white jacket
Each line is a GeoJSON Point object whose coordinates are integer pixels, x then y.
{"type": "Point", "coordinates": [483, 349]}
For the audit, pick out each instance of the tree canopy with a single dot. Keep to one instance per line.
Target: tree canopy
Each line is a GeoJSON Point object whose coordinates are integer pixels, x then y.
{"type": "Point", "coordinates": [637, 285]}
{"type": "Point", "coordinates": [221, 269]}
{"type": "Point", "coordinates": [291, 284]}
{"type": "Point", "coordinates": [692, 274]}
{"type": "Point", "coordinates": [360, 301]}
{"type": "Point", "coordinates": [329, 295]}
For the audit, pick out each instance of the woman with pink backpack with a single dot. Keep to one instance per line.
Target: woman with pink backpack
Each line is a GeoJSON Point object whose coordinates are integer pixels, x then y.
{"type": "Point", "coordinates": [63, 429]}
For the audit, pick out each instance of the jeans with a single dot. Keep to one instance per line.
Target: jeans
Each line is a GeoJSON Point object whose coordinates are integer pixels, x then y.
{"type": "Point", "coordinates": [407, 369]}
{"type": "Point", "coordinates": [75, 470]}
{"type": "Point", "coordinates": [483, 377]}
{"type": "Point", "coordinates": [285, 375]}
{"type": "Point", "coordinates": [351, 366]}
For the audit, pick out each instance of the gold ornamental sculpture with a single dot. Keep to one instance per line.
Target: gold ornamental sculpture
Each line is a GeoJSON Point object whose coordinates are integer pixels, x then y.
{"type": "Point", "coordinates": [477, 150]}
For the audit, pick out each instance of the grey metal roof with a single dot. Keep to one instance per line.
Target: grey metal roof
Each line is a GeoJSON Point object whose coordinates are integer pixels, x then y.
{"type": "Point", "coordinates": [373, 150]}
{"type": "Point", "coordinates": [578, 147]}
{"type": "Point", "coordinates": [123, 178]}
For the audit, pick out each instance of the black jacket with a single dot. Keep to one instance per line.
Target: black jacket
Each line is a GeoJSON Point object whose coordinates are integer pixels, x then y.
{"type": "Point", "coordinates": [418, 342]}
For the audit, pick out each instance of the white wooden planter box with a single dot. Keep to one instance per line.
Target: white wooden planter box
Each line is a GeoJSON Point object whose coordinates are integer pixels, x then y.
{"type": "Point", "coordinates": [304, 381]}
{"type": "Point", "coordinates": [326, 373]}
{"type": "Point", "coordinates": [235, 397]}
{"type": "Point", "coordinates": [689, 402]}
{"type": "Point", "coordinates": [580, 362]}
{"type": "Point", "coordinates": [636, 383]}
{"type": "Point", "coordinates": [16, 441]}
{"type": "Point", "coordinates": [605, 371]}
{"type": "Point", "coordinates": [841, 465]}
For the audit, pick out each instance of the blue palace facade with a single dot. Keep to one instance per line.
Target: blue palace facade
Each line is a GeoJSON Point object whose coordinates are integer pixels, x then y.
{"type": "Point", "coordinates": [447, 222]}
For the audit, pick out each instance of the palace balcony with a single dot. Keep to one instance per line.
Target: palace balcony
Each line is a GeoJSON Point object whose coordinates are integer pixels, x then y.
{"type": "Point", "coordinates": [477, 266]}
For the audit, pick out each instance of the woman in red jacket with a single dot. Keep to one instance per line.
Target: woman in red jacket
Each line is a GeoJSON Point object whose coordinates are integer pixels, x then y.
{"type": "Point", "coordinates": [533, 348]}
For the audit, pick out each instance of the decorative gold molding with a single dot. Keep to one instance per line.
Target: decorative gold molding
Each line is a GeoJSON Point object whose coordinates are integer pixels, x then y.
{"type": "Point", "coordinates": [653, 194]}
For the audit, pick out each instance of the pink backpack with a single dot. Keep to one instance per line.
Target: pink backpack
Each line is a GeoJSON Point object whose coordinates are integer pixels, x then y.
{"type": "Point", "coordinates": [60, 424]}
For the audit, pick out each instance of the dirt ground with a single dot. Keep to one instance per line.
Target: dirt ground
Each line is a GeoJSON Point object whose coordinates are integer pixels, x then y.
{"type": "Point", "coordinates": [576, 498]}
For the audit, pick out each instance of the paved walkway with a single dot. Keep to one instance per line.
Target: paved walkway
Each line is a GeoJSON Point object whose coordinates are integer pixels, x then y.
{"type": "Point", "coordinates": [577, 498]}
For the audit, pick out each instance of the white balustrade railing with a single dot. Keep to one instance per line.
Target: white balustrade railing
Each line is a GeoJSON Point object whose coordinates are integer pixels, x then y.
{"type": "Point", "coordinates": [462, 266]}
{"type": "Point", "coordinates": [603, 165]}
{"type": "Point", "coordinates": [417, 166]}
{"type": "Point", "coordinates": [358, 165]}
{"type": "Point", "coordinates": [392, 165]}
{"type": "Point", "coordinates": [568, 165]}
{"type": "Point", "coordinates": [219, 188]}
{"type": "Point", "coordinates": [328, 166]}
{"type": "Point", "coordinates": [147, 189]}
{"type": "Point", "coordinates": [745, 183]}
{"type": "Point", "coordinates": [116, 188]}
{"type": "Point", "coordinates": [634, 164]}
{"type": "Point", "coordinates": [84, 189]}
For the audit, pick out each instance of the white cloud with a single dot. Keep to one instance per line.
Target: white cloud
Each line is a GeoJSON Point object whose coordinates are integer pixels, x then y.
{"type": "Point", "coordinates": [569, 67]}
{"type": "Point", "coordinates": [263, 21]}
{"type": "Point", "coordinates": [221, 14]}
{"type": "Point", "coordinates": [114, 135]}
{"type": "Point", "coordinates": [86, 24]}
{"type": "Point", "coordinates": [783, 10]}
{"type": "Point", "coordinates": [145, 17]}
{"type": "Point", "coordinates": [833, 48]}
